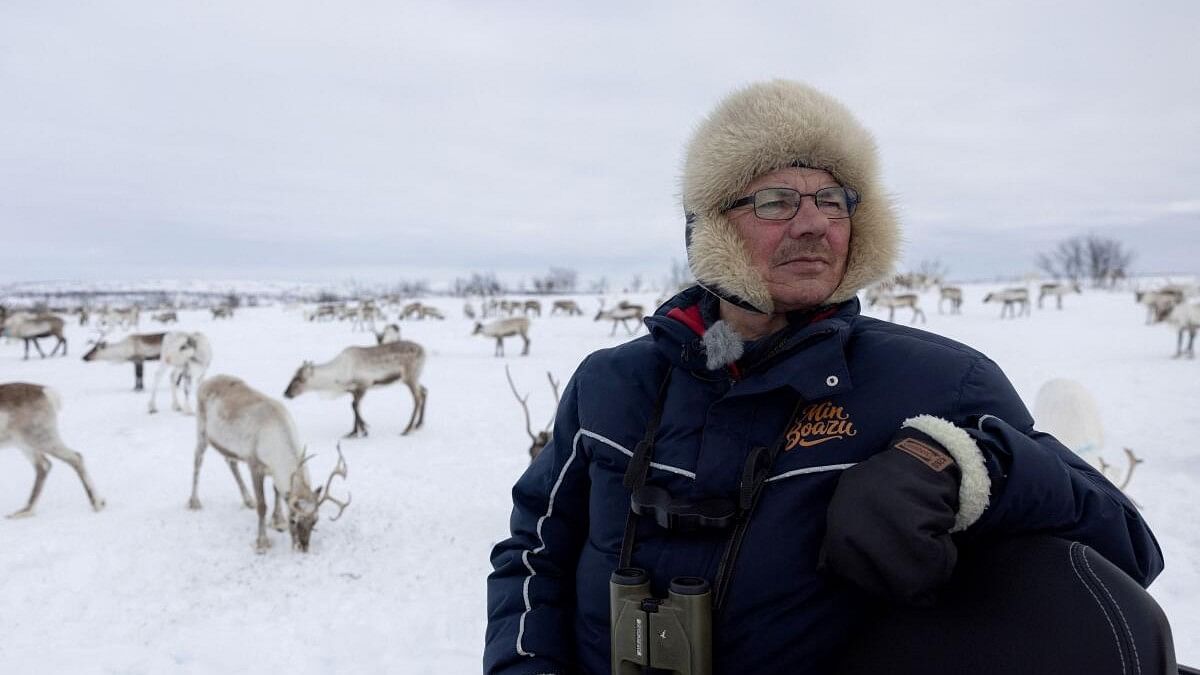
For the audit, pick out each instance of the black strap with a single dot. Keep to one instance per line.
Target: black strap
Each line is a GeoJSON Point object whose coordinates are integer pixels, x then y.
{"type": "Point", "coordinates": [754, 477]}
{"type": "Point", "coordinates": [639, 467]}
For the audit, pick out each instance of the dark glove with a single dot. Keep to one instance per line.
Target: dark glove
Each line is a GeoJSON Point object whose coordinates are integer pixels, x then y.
{"type": "Point", "coordinates": [889, 522]}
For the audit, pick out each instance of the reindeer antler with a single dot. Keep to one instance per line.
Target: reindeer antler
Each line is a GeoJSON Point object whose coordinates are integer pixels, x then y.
{"type": "Point", "coordinates": [338, 470]}
{"type": "Point", "coordinates": [521, 400]}
{"type": "Point", "coordinates": [1134, 460]}
{"type": "Point", "coordinates": [554, 386]}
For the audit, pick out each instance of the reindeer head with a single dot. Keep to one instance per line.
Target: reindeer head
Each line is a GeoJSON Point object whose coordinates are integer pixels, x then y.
{"type": "Point", "coordinates": [297, 386]}
{"type": "Point", "coordinates": [304, 505]}
{"type": "Point", "coordinates": [478, 328]}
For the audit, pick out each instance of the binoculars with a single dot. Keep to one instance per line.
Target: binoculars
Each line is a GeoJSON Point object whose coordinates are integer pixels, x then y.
{"type": "Point", "coordinates": [652, 635]}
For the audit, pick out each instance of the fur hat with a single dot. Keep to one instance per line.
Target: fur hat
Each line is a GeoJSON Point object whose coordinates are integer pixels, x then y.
{"type": "Point", "coordinates": [756, 130]}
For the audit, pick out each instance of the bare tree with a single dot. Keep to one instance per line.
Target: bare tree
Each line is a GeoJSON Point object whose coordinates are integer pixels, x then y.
{"type": "Point", "coordinates": [1097, 258]}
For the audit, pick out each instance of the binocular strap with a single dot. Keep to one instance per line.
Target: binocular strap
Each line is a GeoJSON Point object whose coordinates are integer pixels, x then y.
{"type": "Point", "coordinates": [639, 467]}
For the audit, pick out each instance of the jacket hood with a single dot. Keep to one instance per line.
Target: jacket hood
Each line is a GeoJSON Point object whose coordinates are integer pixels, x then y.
{"type": "Point", "coordinates": [761, 128]}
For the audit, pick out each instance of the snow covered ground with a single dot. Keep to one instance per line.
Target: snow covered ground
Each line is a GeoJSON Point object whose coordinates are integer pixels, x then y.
{"type": "Point", "coordinates": [397, 585]}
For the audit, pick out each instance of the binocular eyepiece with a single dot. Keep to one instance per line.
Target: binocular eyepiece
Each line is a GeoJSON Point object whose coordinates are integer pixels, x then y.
{"type": "Point", "coordinates": [671, 635]}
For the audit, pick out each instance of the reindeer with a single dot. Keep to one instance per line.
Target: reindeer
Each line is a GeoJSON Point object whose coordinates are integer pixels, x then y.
{"type": "Point", "coordinates": [412, 309]}
{"type": "Point", "coordinates": [532, 307]}
{"type": "Point", "coordinates": [1159, 303]}
{"type": "Point", "coordinates": [468, 311]}
{"type": "Point", "coordinates": [188, 356]}
{"type": "Point", "coordinates": [357, 369]}
{"type": "Point", "coordinates": [430, 313]}
{"type": "Point", "coordinates": [1058, 290]}
{"type": "Point", "coordinates": [136, 349]}
{"type": "Point", "coordinates": [893, 301]}
{"type": "Point", "coordinates": [33, 327]}
{"type": "Point", "coordinates": [541, 438]}
{"type": "Point", "coordinates": [29, 420]}
{"type": "Point", "coordinates": [623, 313]}
{"type": "Point", "coordinates": [246, 425]}
{"type": "Point", "coordinates": [390, 333]}
{"type": "Point", "coordinates": [1016, 301]}
{"type": "Point", "coordinates": [166, 317]}
{"type": "Point", "coordinates": [568, 306]}
{"type": "Point", "coordinates": [1186, 319]}
{"type": "Point", "coordinates": [954, 294]}
{"type": "Point", "coordinates": [502, 328]}
{"type": "Point", "coordinates": [222, 312]}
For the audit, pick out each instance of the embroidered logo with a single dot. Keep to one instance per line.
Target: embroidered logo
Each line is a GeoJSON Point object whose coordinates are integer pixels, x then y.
{"type": "Point", "coordinates": [818, 423]}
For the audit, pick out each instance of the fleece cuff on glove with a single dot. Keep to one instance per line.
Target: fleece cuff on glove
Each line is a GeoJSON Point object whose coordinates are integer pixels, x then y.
{"type": "Point", "coordinates": [974, 492]}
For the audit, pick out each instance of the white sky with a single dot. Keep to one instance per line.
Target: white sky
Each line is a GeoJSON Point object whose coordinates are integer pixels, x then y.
{"type": "Point", "coordinates": [400, 140]}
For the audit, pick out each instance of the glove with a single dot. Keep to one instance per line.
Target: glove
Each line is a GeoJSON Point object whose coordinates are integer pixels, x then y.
{"type": "Point", "coordinates": [889, 523]}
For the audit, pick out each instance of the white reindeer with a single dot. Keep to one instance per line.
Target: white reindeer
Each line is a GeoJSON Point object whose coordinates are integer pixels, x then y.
{"type": "Point", "coordinates": [246, 425]}
{"type": "Point", "coordinates": [1159, 303]}
{"type": "Point", "coordinates": [623, 313]}
{"type": "Point", "coordinates": [1058, 290]}
{"type": "Point", "coordinates": [33, 327]}
{"type": "Point", "coordinates": [1186, 319]}
{"type": "Point", "coordinates": [502, 328]}
{"type": "Point", "coordinates": [358, 369]}
{"type": "Point", "coordinates": [29, 420]}
{"type": "Point", "coordinates": [1066, 410]}
{"type": "Point", "coordinates": [909, 300]}
{"type": "Point", "coordinates": [188, 356]}
{"type": "Point", "coordinates": [952, 293]}
{"type": "Point", "coordinates": [1016, 301]}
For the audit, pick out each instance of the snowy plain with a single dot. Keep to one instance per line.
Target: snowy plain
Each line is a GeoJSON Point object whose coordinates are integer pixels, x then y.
{"type": "Point", "coordinates": [397, 585]}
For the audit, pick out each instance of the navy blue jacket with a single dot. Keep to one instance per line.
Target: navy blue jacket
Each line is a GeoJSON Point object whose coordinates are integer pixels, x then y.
{"type": "Point", "coordinates": [856, 379]}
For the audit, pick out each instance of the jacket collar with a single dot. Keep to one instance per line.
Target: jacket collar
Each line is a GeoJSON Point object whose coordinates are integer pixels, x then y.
{"type": "Point", "coordinates": [809, 359]}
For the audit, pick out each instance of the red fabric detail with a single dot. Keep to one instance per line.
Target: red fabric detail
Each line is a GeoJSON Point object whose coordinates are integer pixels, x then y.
{"type": "Point", "coordinates": [689, 317]}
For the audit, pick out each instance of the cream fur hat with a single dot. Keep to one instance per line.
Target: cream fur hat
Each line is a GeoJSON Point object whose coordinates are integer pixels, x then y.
{"type": "Point", "coordinates": [761, 128]}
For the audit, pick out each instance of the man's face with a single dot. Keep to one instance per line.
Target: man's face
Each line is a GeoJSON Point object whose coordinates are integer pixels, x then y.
{"type": "Point", "coordinates": [803, 259]}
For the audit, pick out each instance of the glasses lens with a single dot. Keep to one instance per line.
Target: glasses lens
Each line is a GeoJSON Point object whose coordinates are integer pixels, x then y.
{"type": "Point", "coordinates": [833, 202]}
{"type": "Point", "coordinates": [776, 203]}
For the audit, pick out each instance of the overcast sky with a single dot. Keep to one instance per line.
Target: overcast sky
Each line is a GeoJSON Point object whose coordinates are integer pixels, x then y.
{"type": "Point", "coordinates": [394, 140]}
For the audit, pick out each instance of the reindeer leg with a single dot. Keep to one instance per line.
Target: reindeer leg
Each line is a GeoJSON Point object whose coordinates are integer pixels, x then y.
{"type": "Point", "coordinates": [357, 395]}
{"type": "Point", "coordinates": [262, 544]}
{"type": "Point", "coordinates": [525, 350]}
{"type": "Point", "coordinates": [201, 444]}
{"type": "Point", "coordinates": [416, 394]}
{"type": "Point", "coordinates": [177, 376]}
{"type": "Point", "coordinates": [41, 467]}
{"type": "Point", "coordinates": [138, 369]}
{"type": "Point", "coordinates": [38, 346]}
{"type": "Point", "coordinates": [56, 448]}
{"type": "Point", "coordinates": [278, 522]}
{"type": "Point", "coordinates": [237, 477]}
{"type": "Point", "coordinates": [424, 397]}
{"type": "Point", "coordinates": [158, 373]}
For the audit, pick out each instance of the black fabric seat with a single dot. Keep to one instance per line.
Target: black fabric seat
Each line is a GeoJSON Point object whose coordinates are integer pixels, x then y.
{"type": "Point", "coordinates": [1030, 606]}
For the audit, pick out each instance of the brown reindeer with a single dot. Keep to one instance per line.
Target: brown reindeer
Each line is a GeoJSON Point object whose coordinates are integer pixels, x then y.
{"type": "Point", "coordinates": [33, 327]}
{"type": "Point", "coordinates": [29, 420]}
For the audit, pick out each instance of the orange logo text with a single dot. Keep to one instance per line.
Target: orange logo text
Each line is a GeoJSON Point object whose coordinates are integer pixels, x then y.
{"type": "Point", "coordinates": [818, 423]}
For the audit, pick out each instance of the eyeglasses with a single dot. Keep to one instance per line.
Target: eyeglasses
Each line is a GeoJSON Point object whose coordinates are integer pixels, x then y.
{"type": "Point", "coordinates": [784, 203]}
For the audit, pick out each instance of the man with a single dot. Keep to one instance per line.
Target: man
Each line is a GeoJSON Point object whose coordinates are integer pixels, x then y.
{"type": "Point", "coordinates": [834, 458]}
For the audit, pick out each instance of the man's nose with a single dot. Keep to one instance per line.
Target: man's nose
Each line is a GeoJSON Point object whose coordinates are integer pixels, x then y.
{"type": "Point", "coordinates": [808, 219]}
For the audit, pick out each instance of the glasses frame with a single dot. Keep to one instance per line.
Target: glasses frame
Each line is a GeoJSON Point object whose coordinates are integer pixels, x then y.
{"type": "Point", "coordinates": [852, 201]}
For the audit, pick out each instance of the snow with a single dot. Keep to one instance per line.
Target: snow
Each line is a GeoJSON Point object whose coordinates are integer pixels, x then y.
{"type": "Point", "coordinates": [398, 583]}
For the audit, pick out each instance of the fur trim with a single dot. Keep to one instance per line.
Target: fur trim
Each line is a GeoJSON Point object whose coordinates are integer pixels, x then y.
{"type": "Point", "coordinates": [768, 126]}
{"type": "Point", "coordinates": [974, 491]}
{"type": "Point", "coordinates": [722, 345]}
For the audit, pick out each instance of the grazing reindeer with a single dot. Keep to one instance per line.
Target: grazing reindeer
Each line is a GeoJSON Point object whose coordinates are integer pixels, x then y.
{"type": "Point", "coordinates": [623, 313]}
{"type": "Point", "coordinates": [532, 307]}
{"type": "Point", "coordinates": [390, 333]}
{"type": "Point", "coordinates": [166, 317]}
{"type": "Point", "coordinates": [136, 349]}
{"type": "Point", "coordinates": [188, 356]}
{"type": "Point", "coordinates": [541, 438]}
{"type": "Point", "coordinates": [428, 312]}
{"type": "Point", "coordinates": [568, 306]}
{"type": "Point", "coordinates": [246, 425]}
{"type": "Point", "coordinates": [1159, 303]}
{"type": "Point", "coordinates": [1058, 290]}
{"type": "Point", "coordinates": [955, 295]}
{"type": "Point", "coordinates": [358, 369]}
{"type": "Point", "coordinates": [223, 312]}
{"type": "Point", "coordinates": [32, 328]}
{"type": "Point", "coordinates": [893, 301]}
{"type": "Point", "coordinates": [502, 328]}
{"type": "Point", "coordinates": [1016, 301]}
{"type": "Point", "coordinates": [29, 420]}
{"type": "Point", "coordinates": [1186, 319]}
{"type": "Point", "coordinates": [412, 309]}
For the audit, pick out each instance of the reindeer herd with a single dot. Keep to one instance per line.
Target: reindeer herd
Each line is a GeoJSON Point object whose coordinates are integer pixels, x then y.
{"type": "Point", "coordinates": [247, 427]}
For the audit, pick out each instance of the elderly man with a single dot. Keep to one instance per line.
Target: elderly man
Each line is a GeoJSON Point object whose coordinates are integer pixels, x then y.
{"type": "Point", "coordinates": [769, 440]}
